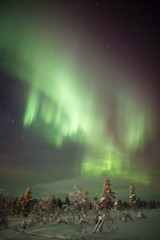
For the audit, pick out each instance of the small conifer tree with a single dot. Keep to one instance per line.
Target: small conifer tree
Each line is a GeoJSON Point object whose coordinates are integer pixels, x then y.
{"type": "Point", "coordinates": [20, 204]}
{"type": "Point", "coordinates": [27, 202]}
{"type": "Point", "coordinates": [107, 196]}
{"type": "Point", "coordinates": [133, 197]}
{"type": "Point", "coordinates": [53, 201]}
{"type": "Point", "coordinates": [85, 194]}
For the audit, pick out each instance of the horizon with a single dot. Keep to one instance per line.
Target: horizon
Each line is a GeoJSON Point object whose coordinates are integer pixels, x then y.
{"type": "Point", "coordinates": [64, 187]}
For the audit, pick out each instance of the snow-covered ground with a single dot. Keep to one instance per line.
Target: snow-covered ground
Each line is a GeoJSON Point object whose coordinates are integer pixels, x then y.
{"type": "Point", "coordinates": [138, 229]}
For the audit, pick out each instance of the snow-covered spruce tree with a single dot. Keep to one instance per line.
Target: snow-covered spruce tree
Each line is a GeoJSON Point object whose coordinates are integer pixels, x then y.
{"type": "Point", "coordinates": [24, 202]}
{"type": "Point", "coordinates": [133, 197]}
{"type": "Point", "coordinates": [85, 193]}
{"type": "Point", "coordinates": [20, 204]}
{"type": "Point", "coordinates": [106, 201]}
{"type": "Point", "coordinates": [27, 202]}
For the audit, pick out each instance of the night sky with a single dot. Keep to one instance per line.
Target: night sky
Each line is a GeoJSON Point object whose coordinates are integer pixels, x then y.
{"type": "Point", "coordinates": [79, 95]}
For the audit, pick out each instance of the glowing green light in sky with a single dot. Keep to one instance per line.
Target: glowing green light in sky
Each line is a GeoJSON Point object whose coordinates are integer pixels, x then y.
{"type": "Point", "coordinates": [64, 102]}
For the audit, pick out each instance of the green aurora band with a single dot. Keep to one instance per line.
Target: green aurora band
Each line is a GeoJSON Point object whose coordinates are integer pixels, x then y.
{"type": "Point", "coordinates": [63, 101]}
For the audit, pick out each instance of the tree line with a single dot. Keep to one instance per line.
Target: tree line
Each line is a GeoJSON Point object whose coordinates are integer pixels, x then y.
{"type": "Point", "coordinates": [76, 202]}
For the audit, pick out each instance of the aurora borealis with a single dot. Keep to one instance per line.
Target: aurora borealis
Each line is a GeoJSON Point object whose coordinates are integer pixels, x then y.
{"type": "Point", "coordinates": [86, 101]}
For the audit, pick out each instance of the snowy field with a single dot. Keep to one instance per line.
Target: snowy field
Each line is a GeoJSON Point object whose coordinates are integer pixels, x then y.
{"type": "Point", "coordinates": [138, 229]}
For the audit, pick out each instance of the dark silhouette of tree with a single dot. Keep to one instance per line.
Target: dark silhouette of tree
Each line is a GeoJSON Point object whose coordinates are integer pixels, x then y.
{"type": "Point", "coordinates": [13, 203]}
{"type": "Point", "coordinates": [4, 208]}
{"type": "Point", "coordinates": [95, 198]}
{"type": "Point", "coordinates": [59, 203]}
{"type": "Point", "coordinates": [67, 201]}
{"type": "Point", "coordinates": [118, 204]}
{"type": "Point", "coordinates": [125, 205]}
